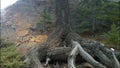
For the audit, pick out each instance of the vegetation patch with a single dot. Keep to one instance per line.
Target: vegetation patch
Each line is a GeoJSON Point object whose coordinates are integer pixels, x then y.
{"type": "Point", "coordinates": [113, 36]}
{"type": "Point", "coordinates": [10, 57]}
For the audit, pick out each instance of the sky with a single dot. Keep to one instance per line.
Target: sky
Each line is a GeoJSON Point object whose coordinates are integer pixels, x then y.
{"type": "Point", "coordinates": [6, 3]}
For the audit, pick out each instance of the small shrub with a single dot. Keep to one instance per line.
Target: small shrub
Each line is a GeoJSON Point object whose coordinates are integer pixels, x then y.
{"type": "Point", "coordinates": [113, 35]}
{"type": "Point", "coordinates": [10, 57]}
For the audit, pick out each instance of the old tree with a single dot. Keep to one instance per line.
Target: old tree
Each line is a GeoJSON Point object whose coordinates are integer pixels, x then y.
{"type": "Point", "coordinates": [65, 45]}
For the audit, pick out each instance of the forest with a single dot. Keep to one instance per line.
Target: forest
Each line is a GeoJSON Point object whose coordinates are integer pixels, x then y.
{"type": "Point", "coordinates": [63, 34]}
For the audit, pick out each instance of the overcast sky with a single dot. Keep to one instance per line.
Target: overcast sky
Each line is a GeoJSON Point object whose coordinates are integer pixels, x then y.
{"type": "Point", "coordinates": [6, 3]}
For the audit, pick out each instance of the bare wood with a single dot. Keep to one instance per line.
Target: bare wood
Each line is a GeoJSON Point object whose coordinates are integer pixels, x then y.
{"type": "Point", "coordinates": [59, 53]}
{"type": "Point", "coordinates": [115, 60]}
{"type": "Point", "coordinates": [72, 57]}
{"type": "Point", "coordinates": [47, 61]}
{"type": "Point", "coordinates": [87, 56]}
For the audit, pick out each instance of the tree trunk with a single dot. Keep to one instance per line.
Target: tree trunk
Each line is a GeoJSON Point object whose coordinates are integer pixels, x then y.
{"type": "Point", "coordinates": [64, 44]}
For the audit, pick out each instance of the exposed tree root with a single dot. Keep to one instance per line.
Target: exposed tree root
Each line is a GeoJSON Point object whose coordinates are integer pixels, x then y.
{"type": "Point", "coordinates": [88, 50]}
{"type": "Point", "coordinates": [84, 54]}
{"type": "Point", "coordinates": [47, 61]}
{"type": "Point", "coordinates": [115, 61]}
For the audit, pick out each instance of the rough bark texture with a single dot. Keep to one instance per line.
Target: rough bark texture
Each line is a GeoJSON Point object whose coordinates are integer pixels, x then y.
{"type": "Point", "coordinates": [64, 44]}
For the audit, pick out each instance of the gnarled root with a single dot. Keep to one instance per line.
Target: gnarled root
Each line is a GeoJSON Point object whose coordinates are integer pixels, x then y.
{"type": "Point", "coordinates": [78, 49]}
{"type": "Point", "coordinates": [88, 51]}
